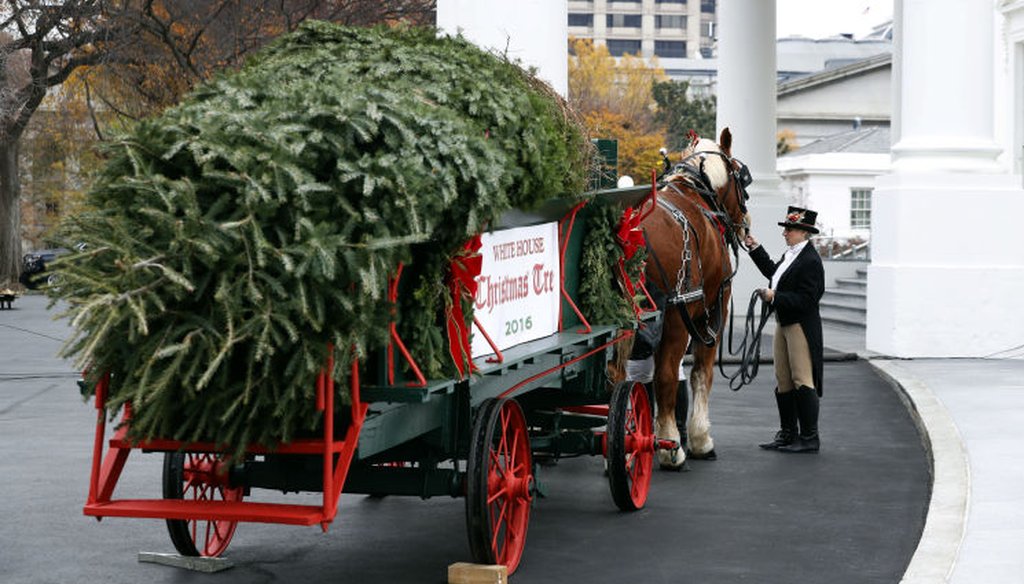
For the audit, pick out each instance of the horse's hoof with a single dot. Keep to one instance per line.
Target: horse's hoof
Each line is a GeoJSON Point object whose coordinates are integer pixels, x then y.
{"type": "Point", "coordinates": [709, 455]}
{"type": "Point", "coordinates": [671, 459]}
{"type": "Point", "coordinates": [685, 467]}
{"type": "Point", "coordinates": [675, 468]}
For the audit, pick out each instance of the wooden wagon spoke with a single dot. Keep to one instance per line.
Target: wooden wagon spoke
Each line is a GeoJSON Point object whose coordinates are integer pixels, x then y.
{"type": "Point", "coordinates": [496, 464]}
{"type": "Point", "coordinates": [497, 495]}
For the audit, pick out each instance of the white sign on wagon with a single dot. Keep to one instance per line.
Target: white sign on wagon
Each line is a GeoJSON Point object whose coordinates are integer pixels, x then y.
{"type": "Point", "coordinates": [518, 289]}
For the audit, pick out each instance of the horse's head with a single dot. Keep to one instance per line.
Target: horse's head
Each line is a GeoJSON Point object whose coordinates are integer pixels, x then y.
{"type": "Point", "coordinates": [727, 176]}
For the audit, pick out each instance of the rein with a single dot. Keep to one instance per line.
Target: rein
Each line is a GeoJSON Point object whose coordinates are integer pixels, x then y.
{"type": "Point", "coordinates": [749, 350]}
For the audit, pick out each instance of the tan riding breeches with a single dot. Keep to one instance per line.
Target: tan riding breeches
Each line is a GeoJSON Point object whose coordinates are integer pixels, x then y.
{"type": "Point", "coordinates": [793, 367]}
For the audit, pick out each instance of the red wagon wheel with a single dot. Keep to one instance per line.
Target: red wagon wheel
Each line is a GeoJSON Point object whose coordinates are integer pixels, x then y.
{"type": "Point", "coordinates": [199, 477]}
{"type": "Point", "coordinates": [499, 487]}
{"type": "Point", "coordinates": [630, 445]}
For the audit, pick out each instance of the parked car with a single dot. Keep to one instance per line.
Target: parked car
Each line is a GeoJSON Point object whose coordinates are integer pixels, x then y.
{"type": "Point", "coordinates": [33, 266]}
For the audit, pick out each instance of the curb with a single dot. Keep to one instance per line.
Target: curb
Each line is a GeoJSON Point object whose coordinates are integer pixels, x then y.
{"type": "Point", "coordinates": [945, 525]}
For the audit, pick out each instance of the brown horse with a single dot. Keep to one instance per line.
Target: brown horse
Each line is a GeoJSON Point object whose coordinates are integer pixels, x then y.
{"type": "Point", "coordinates": [701, 214]}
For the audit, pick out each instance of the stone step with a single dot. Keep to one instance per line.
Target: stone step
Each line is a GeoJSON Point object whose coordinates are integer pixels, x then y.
{"type": "Point", "coordinates": [844, 323]}
{"type": "Point", "coordinates": [840, 298]}
{"type": "Point", "coordinates": [833, 310]}
{"type": "Point", "coordinates": [852, 283]}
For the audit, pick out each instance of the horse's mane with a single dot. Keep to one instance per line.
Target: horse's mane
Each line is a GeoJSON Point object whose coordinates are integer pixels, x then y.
{"type": "Point", "coordinates": [714, 166]}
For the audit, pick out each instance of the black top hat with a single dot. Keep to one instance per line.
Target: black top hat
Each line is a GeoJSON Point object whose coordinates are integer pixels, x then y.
{"type": "Point", "coordinates": [797, 218]}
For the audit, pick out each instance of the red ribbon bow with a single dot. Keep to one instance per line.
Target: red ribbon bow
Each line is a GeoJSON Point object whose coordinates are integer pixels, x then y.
{"type": "Point", "coordinates": [629, 234]}
{"type": "Point", "coordinates": [464, 269]}
{"type": "Point", "coordinates": [631, 238]}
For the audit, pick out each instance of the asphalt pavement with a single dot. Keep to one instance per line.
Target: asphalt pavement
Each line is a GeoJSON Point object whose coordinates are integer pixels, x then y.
{"type": "Point", "coordinates": [853, 513]}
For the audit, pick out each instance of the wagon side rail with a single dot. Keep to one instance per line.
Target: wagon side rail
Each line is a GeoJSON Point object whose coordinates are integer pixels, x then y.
{"type": "Point", "coordinates": [106, 468]}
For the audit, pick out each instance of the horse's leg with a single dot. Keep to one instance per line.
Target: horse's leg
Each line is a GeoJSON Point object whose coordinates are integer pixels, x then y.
{"type": "Point", "coordinates": [701, 377]}
{"type": "Point", "coordinates": [666, 383]}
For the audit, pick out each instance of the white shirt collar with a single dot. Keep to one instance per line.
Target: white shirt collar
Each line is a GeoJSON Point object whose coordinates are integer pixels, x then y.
{"type": "Point", "coordinates": [795, 249]}
{"type": "Point", "coordinates": [787, 260]}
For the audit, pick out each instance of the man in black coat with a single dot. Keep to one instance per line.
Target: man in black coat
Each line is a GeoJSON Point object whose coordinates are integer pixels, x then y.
{"type": "Point", "coordinates": [797, 283]}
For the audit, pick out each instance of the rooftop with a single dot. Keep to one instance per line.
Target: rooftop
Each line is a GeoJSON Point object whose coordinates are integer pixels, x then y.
{"type": "Point", "coordinates": [868, 140]}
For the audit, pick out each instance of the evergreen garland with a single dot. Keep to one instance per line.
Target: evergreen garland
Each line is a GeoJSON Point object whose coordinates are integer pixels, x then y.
{"type": "Point", "coordinates": [236, 235]}
{"type": "Point", "coordinates": [600, 297]}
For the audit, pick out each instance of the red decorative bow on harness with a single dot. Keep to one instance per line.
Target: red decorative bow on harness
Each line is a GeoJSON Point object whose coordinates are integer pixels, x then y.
{"type": "Point", "coordinates": [464, 269]}
{"type": "Point", "coordinates": [692, 137]}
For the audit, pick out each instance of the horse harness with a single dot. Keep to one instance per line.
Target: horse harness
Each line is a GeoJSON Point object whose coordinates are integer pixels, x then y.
{"type": "Point", "coordinates": [684, 293]}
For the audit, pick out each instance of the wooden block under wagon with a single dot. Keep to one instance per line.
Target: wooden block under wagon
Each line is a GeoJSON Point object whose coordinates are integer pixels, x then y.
{"type": "Point", "coordinates": [466, 573]}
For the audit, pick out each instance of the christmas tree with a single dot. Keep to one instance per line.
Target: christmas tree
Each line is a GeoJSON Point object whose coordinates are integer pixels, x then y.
{"type": "Point", "coordinates": [233, 238]}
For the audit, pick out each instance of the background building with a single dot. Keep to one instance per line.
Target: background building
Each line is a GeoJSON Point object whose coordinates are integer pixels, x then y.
{"type": "Point", "coordinates": [680, 33]}
{"type": "Point", "coordinates": [837, 99]}
{"type": "Point", "coordinates": [836, 176]}
{"type": "Point", "coordinates": [839, 117]}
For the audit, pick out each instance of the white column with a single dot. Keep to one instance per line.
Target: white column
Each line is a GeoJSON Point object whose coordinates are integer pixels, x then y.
{"type": "Point", "coordinates": [746, 105]}
{"type": "Point", "coordinates": [533, 31]}
{"type": "Point", "coordinates": [600, 22]}
{"type": "Point", "coordinates": [693, 29]}
{"type": "Point", "coordinates": [1013, 57]}
{"type": "Point", "coordinates": [947, 268]}
{"type": "Point", "coordinates": [746, 85]}
{"type": "Point", "coordinates": [647, 31]}
{"type": "Point", "coordinates": [951, 128]}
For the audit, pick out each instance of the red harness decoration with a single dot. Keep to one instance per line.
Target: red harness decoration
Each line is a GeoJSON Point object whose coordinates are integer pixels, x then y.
{"type": "Point", "coordinates": [711, 215]}
{"type": "Point", "coordinates": [464, 269]}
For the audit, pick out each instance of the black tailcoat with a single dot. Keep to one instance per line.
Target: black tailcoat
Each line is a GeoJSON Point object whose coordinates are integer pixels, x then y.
{"type": "Point", "coordinates": [797, 296]}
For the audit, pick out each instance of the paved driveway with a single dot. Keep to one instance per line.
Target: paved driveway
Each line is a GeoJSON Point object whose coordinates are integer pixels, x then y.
{"type": "Point", "coordinates": [853, 513]}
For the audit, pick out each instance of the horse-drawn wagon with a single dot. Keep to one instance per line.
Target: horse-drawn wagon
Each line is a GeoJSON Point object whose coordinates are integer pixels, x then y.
{"type": "Point", "coordinates": [242, 303]}
{"type": "Point", "coordinates": [473, 436]}
{"type": "Point", "coordinates": [537, 381]}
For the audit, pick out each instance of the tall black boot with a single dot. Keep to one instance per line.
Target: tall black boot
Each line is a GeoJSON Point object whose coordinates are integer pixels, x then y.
{"type": "Point", "coordinates": [807, 410]}
{"type": "Point", "coordinates": [787, 420]}
{"type": "Point", "coordinates": [682, 410]}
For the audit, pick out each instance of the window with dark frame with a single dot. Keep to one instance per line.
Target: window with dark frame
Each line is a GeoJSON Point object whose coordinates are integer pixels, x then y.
{"type": "Point", "coordinates": [860, 208]}
{"type": "Point", "coordinates": [707, 6]}
{"type": "Point", "coordinates": [670, 49]}
{"type": "Point", "coordinates": [674, 21]}
{"type": "Point", "coordinates": [619, 47]}
{"type": "Point", "coordinates": [576, 19]}
{"type": "Point", "coordinates": [623, 21]}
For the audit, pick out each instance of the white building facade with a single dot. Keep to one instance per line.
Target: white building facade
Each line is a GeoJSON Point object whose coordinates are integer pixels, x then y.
{"type": "Point", "coordinates": [839, 186]}
{"type": "Point", "coordinates": [947, 269]}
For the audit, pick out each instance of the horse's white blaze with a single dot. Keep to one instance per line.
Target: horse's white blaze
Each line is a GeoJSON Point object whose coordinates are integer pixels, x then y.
{"type": "Point", "coordinates": [714, 166]}
{"type": "Point", "coordinates": [699, 426]}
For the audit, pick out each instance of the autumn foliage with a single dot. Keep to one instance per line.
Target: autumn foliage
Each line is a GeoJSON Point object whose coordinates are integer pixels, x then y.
{"type": "Point", "coordinates": [86, 66]}
{"type": "Point", "coordinates": [638, 151]}
{"type": "Point", "coordinates": [615, 100]}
